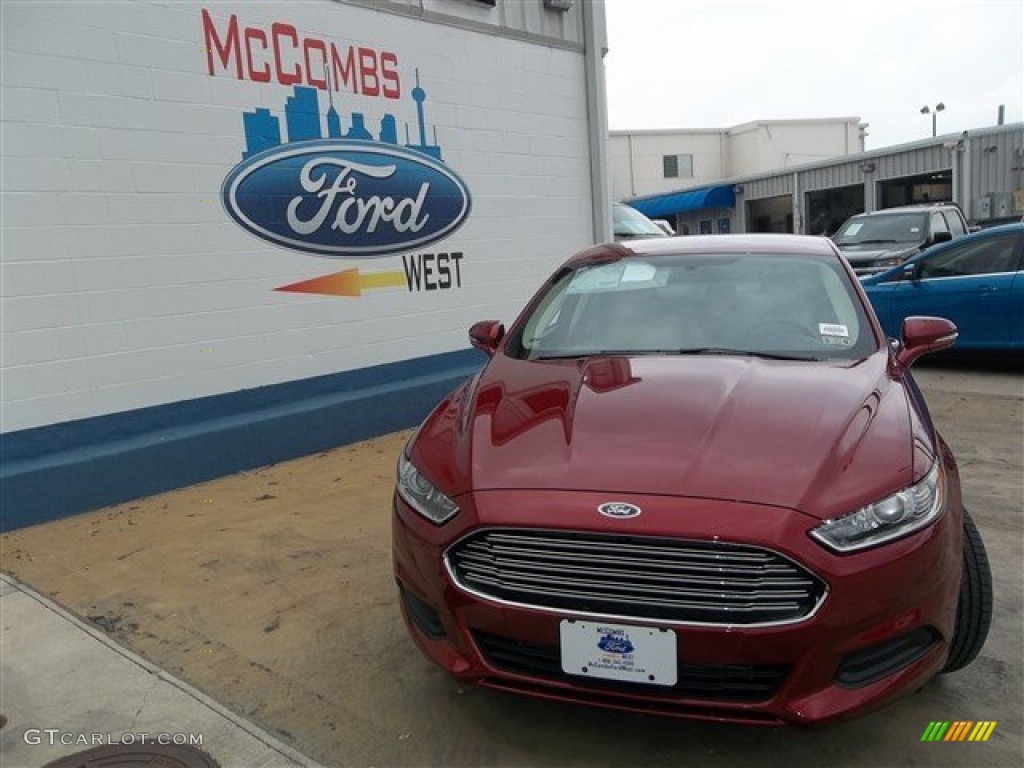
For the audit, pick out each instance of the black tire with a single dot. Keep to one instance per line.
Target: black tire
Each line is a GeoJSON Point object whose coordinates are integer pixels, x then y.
{"type": "Point", "coordinates": [974, 608]}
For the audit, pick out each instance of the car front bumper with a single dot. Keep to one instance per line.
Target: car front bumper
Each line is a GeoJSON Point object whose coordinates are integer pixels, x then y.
{"type": "Point", "coordinates": [881, 629]}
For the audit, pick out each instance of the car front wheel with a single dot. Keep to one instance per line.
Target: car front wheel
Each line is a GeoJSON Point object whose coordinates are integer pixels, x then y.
{"type": "Point", "coordinates": [974, 608]}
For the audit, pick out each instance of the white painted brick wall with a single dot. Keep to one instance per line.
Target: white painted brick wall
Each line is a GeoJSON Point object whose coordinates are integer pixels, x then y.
{"type": "Point", "coordinates": [125, 284]}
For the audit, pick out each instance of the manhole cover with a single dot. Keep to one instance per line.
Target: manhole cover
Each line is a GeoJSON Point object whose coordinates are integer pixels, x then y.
{"type": "Point", "coordinates": [136, 756]}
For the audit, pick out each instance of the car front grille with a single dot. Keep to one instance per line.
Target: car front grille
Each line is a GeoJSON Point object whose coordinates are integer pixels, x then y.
{"type": "Point", "coordinates": [719, 682]}
{"type": "Point", "coordinates": [668, 580]}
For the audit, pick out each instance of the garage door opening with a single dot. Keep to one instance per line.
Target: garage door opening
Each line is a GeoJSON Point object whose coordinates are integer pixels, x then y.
{"type": "Point", "coordinates": [827, 209]}
{"type": "Point", "coordinates": [771, 214]}
{"type": "Point", "coordinates": [934, 187]}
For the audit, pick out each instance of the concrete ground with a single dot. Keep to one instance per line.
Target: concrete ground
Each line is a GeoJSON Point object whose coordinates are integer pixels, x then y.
{"type": "Point", "coordinates": [271, 591]}
{"type": "Point", "coordinates": [67, 688]}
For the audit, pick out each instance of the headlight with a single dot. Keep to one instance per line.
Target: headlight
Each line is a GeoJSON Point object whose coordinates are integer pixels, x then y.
{"type": "Point", "coordinates": [420, 494]}
{"type": "Point", "coordinates": [892, 517]}
{"type": "Point", "coordinates": [893, 259]}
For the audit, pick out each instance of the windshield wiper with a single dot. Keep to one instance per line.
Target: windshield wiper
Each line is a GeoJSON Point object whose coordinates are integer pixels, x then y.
{"type": "Point", "coordinates": [745, 353]}
{"type": "Point", "coordinates": [877, 241]}
{"type": "Point", "coordinates": [603, 353]}
{"type": "Point", "coordinates": [692, 351]}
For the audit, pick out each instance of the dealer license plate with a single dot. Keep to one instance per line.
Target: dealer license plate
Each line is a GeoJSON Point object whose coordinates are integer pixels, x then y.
{"type": "Point", "coordinates": [619, 652]}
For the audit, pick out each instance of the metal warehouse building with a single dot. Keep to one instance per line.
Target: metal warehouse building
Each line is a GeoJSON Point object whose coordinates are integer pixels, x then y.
{"type": "Point", "coordinates": [982, 170]}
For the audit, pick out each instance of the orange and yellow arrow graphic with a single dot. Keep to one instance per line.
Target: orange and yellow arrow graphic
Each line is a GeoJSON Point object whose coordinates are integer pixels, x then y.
{"type": "Point", "coordinates": [350, 282]}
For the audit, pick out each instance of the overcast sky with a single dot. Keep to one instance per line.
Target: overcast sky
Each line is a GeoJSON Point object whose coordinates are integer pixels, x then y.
{"type": "Point", "coordinates": [713, 64]}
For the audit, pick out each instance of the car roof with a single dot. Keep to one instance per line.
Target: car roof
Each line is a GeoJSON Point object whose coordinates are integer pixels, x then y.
{"type": "Point", "coordinates": [793, 245]}
{"type": "Point", "coordinates": [919, 208]}
{"type": "Point", "coordinates": [1013, 226]}
{"type": "Point", "coordinates": [1002, 229]}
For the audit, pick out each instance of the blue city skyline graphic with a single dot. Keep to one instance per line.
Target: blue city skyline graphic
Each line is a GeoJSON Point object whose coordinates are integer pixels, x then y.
{"type": "Point", "coordinates": [339, 185]}
{"type": "Point", "coordinates": [303, 123]}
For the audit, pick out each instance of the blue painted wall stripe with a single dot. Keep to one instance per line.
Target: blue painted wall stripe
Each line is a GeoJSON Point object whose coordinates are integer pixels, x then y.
{"type": "Point", "coordinates": [59, 470]}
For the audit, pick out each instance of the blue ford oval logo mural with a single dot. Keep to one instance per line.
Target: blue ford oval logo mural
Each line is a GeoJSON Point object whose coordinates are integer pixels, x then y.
{"type": "Point", "coordinates": [346, 197]}
{"type": "Point", "coordinates": [618, 509]}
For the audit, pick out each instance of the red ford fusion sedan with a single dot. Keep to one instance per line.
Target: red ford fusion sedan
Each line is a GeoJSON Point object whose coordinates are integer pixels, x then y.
{"type": "Point", "coordinates": [693, 479]}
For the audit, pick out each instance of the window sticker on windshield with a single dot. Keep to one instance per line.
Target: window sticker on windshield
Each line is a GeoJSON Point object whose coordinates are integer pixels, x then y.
{"type": "Point", "coordinates": [833, 329]}
{"type": "Point", "coordinates": [853, 229]}
{"type": "Point", "coordinates": [598, 278]}
{"type": "Point", "coordinates": [638, 273]}
{"type": "Point", "coordinates": [837, 341]}
{"type": "Point", "coordinates": [915, 230]}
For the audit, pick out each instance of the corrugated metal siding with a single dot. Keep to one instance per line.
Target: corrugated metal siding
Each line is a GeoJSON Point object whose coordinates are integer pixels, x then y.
{"type": "Point", "coordinates": [518, 19]}
{"type": "Point", "coordinates": [842, 175]}
{"type": "Point", "coordinates": [914, 162]}
{"type": "Point", "coordinates": [773, 186]}
{"type": "Point", "coordinates": [998, 171]}
{"type": "Point", "coordinates": [997, 162]}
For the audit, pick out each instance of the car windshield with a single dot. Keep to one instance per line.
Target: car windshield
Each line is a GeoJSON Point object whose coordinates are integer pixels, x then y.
{"type": "Point", "coordinates": [629, 222]}
{"type": "Point", "coordinates": [768, 305]}
{"type": "Point", "coordinates": [888, 228]}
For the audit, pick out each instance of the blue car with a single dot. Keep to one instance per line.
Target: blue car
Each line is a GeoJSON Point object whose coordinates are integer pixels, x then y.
{"type": "Point", "coordinates": [975, 281]}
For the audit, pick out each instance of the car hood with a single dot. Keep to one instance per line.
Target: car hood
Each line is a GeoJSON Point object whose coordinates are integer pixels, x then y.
{"type": "Point", "coordinates": [822, 438]}
{"type": "Point", "coordinates": [889, 275]}
{"type": "Point", "coordinates": [866, 254]}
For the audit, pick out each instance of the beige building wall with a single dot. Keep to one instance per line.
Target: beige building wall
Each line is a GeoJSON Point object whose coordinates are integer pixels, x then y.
{"type": "Point", "coordinates": [783, 144]}
{"type": "Point", "coordinates": [716, 154]}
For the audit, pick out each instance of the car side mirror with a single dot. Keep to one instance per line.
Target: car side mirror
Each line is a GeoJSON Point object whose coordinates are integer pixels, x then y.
{"type": "Point", "coordinates": [941, 237]}
{"type": "Point", "coordinates": [910, 272]}
{"type": "Point", "coordinates": [486, 335]}
{"type": "Point", "coordinates": [924, 335]}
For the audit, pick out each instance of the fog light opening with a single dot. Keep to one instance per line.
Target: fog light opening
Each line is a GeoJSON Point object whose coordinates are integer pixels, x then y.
{"type": "Point", "coordinates": [422, 615]}
{"type": "Point", "coordinates": [871, 664]}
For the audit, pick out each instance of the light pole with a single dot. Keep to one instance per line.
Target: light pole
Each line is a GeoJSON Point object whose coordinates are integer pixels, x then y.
{"type": "Point", "coordinates": [934, 112]}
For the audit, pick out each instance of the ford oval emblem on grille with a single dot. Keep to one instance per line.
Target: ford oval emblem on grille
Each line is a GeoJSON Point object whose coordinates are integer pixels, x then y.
{"type": "Point", "coordinates": [618, 509]}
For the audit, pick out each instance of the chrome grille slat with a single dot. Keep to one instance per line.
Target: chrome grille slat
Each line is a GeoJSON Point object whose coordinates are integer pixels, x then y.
{"type": "Point", "coordinates": [643, 549]}
{"type": "Point", "coordinates": [474, 563]}
{"type": "Point", "coordinates": [639, 568]}
{"type": "Point", "coordinates": [635, 577]}
{"type": "Point", "coordinates": [632, 563]}
{"type": "Point", "coordinates": [705, 561]}
{"type": "Point", "coordinates": [660, 603]}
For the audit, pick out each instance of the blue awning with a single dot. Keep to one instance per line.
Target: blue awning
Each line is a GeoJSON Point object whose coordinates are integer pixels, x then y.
{"type": "Point", "coordinates": [657, 206]}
